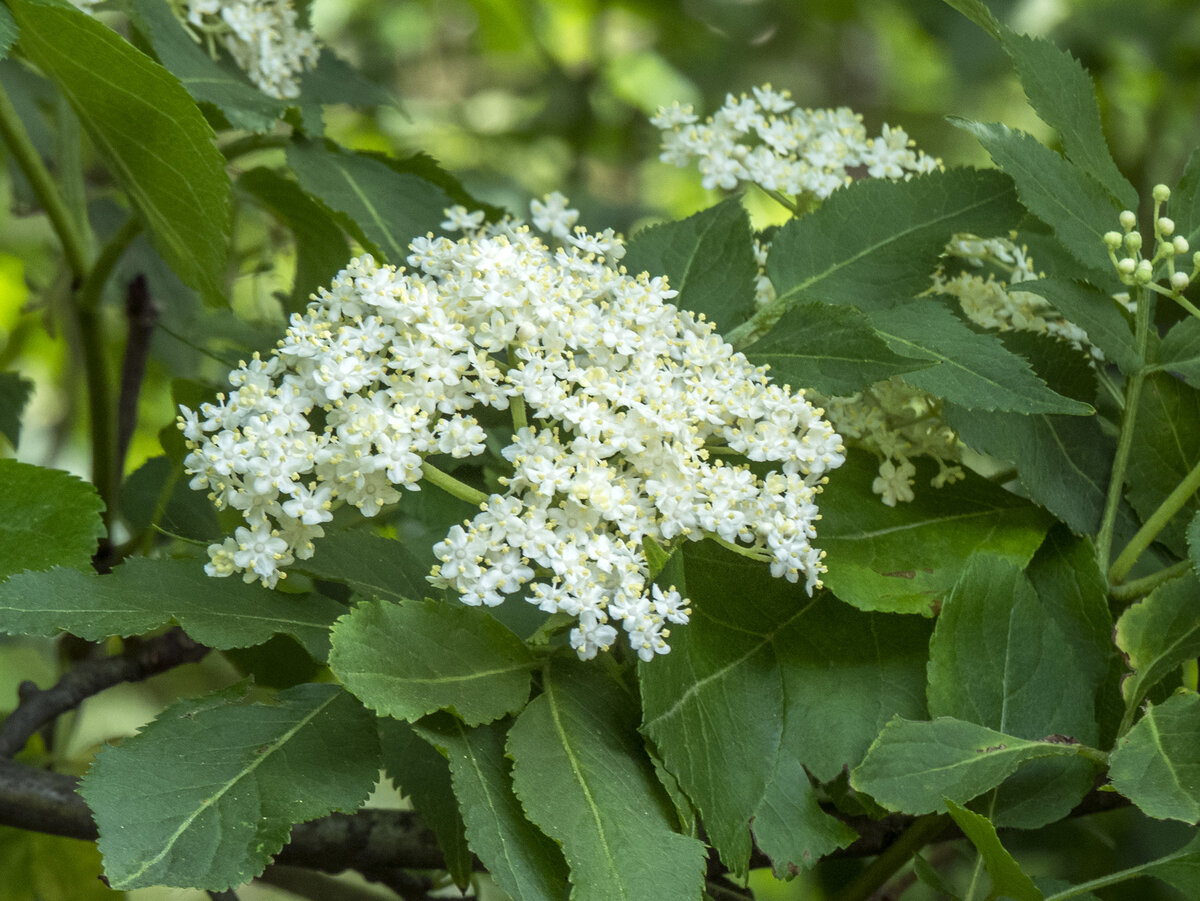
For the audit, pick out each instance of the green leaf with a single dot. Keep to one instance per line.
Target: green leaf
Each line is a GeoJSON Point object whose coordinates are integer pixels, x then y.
{"type": "Point", "coordinates": [1156, 765]}
{"type": "Point", "coordinates": [928, 875]}
{"type": "Point", "coordinates": [708, 258]}
{"type": "Point", "coordinates": [906, 558]}
{"type": "Point", "coordinates": [208, 81]}
{"type": "Point", "coordinates": [423, 774]}
{"type": "Point", "coordinates": [916, 766]}
{"type": "Point", "coordinates": [9, 32]}
{"type": "Point", "coordinates": [829, 348]}
{"type": "Point", "coordinates": [1063, 196]}
{"type": "Point", "coordinates": [789, 825]}
{"type": "Point", "coordinates": [147, 129]}
{"type": "Point", "coordinates": [1094, 311]}
{"type": "Point", "coordinates": [1193, 541]}
{"type": "Point", "coordinates": [374, 566]}
{"type": "Point", "coordinates": [38, 867]}
{"type": "Point", "coordinates": [1179, 352]}
{"type": "Point", "coordinates": [382, 206]}
{"type": "Point", "coordinates": [973, 370]}
{"type": "Point", "coordinates": [998, 659]}
{"type": "Point", "coordinates": [14, 395]}
{"type": "Point", "coordinates": [208, 793]}
{"type": "Point", "coordinates": [582, 775]}
{"type": "Point", "coordinates": [412, 658]}
{"type": "Point", "coordinates": [145, 594]}
{"type": "Point", "coordinates": [49, 518]}
{"type": "Point", "coordinates": [977, 12]}
{"type": "Point", "coordinates": [524, 862]}
{"type": "Point", "coordinates": [1061, 92]}
{"type": "Point", "coordinates": [1159, 633]}
{"type": "Point", "coordinates": [1008, 879]}
{"type": "Point", "coordinates": [1063, 462]}
{"type": "Point", "coordinates": [1184, 205]}
{"type": "Point", "coordinates": [763, 673]}
{"type": "Point", "coordinates": [1180, 869]}
{"type": "Point", "coordinates": [321, 249]}
{"type": "Point", "coordinates": [876, 243]}
{"type": "Point", "coordinates": [156, 492]}
{"type": "Point", "coordinates": [1166, 446]}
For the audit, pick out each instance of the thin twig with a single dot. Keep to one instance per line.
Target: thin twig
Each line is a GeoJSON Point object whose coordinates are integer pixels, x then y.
{"type": "Point", "coordinates": [142, 316]}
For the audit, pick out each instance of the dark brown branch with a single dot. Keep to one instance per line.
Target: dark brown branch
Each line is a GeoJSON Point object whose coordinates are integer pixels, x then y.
{"type": "Point", "coordinates": [142, 316]}
{"type": "Point", "coordinates": [39, 707]}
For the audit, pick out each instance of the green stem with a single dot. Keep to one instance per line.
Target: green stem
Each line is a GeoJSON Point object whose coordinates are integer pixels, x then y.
{"type": "Point", "coordinates": [451, 485]}
{"type": "Point", "coordinates": [756, 326]}
{"type": "Point", "coordinates": [16, 138]}
{"type": "Point", "coordinates": [1120, 876]}
{"type": "Point", "coordinates": [88, 296]}
{"type": "Point", "coordinates": [922, 831]}
{"type": "Point", "coordinates": [517, 406]}
{"type": "Point", "coordinates": [252, 144]}
{"type": "Point", "coordinates": [1157, 521]}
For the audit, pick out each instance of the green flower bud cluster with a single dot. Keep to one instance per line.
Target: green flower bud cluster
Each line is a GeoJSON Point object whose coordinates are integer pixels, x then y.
{"type": "Point", "coordinates": [1138, 270]}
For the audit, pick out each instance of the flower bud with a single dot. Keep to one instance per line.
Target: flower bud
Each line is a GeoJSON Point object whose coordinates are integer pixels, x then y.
{"type": "Point", "coordinates": [1128, 219]}
{"type": "Point", "coordinates": [1144, 273]}
{"type": "Point", "coordinates": [1179, 282]}
{"type": "Point", "coordinates": [1127, 266]}
{"type": "Point", "coordinates": [1180, 244]}
{"type": "Point", "coordinates": [1165, 226]}
{"type": "Point", "coordinates": [1133, 241]}
{"type": "Point", "coordinates": [1162, 193]}
{"type": "Point", "coordinates": [1112, 240]}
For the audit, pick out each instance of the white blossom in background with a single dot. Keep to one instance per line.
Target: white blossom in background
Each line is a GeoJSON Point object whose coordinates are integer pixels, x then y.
{"type": "Point", "coordinates": [765, 139]}
{"type": "Point", "coordinates": [629, 419]}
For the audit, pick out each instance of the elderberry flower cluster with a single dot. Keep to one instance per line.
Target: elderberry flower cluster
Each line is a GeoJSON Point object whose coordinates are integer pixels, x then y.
{"type": "Point", "coordinates": [1137, 270]}
{"type": "Point", "coordinates": [632, 426]}
{"type": "Point", "coordinates": [764, 138]}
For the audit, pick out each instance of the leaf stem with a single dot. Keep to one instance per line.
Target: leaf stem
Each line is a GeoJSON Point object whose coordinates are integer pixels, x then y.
{"type": "Point", "coordinates": [1156, 522]}
{"type": "Point", "coordinates": [451, 485]}
{"type": "Point", "coordinates": [1120, 876]}
{"type": "Point", "coordinates": [922, 831]}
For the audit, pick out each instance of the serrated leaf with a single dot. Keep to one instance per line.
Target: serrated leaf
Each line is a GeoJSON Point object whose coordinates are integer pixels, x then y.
{"type": "Point", "coordinates": [9, 32]}
{"type": "Point", "coordinates": [1179, 352]}
{"type": "Point", "coordinates": [524, 862]}
{"type": "Point", "coordinates": [157, 493]}
{"type": "Point", "coordinates": [148, 131]}
{"type": "Point", "coordinates": [209, 792]}
{"type": "Point", "coordinates": [1008, 879]}
{"type": "Point", "coordinates": [977, 12]}
{"type": "Point", "coordinates": [708, 258]}
{"type": "Point", "coordinates": [321, 249]}
{"type": "Point", "coordinates": [789, 825]}
{"type": "Point", "coordinates": [1166, 446]}
{"type": "Point", "coordinates": [1096, 313]}
{"type": "Point", "coordinates": [1159, 633]}
{"type": "Point", "coordinates": [382, 207]}
{"type": "Point", "coordinates": [208, 81]}
{"type": "Point", "coordinates": [1193, 542]}
{"type": "Point", "coordinates": [916, 766]}
{"type": "Point", "coordinates": [875, 243]}
{"type": "Point", "coordinates": [49, 518]}
{"type": "Point", "coordinates": [374, 566]}
{"type": "Point", "coordinates": [1184, 205]}
{"type": "Point", "coordinates": [14, 395]}
{"type": "Point", "coordinates": [582, 776]}
{"type": "Point", "coordinates": [145, 594]}
{"type": "Point", "coordinates": [906, 558]}
{"type": "Point", "coordinates": [832, 349]}
{"type": "Point", "coordinates": [1063, 196]}
{"type": "Point", "coordinates": [971, 369]}
{"type": "Point", "coordinates": [762, 672]}
{"type": "Point", "coordinates": [1156, 765]}
{"type": "Point", "coordinates": [421, 773]}
{"type": "Point", "coordinates": [412, 658]}
{"type": "Point", "coordinates": [1061, 92]}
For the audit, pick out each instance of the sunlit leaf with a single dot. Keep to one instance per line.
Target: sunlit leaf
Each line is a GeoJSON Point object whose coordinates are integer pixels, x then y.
{"type": "Point", "coordinates": [49, 518]}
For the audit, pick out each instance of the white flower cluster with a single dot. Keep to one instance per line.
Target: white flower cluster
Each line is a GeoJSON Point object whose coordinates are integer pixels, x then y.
{"type": "Point", "coordinates": [260, 35]}
{"type": "Point", "coordinates": [769, 141]}
{"type": "Point", "coordinates": [628, 419]}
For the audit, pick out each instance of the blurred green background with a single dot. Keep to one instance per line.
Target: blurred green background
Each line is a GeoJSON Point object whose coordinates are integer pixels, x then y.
{"type": "Point", "coordinates": [522, 97]}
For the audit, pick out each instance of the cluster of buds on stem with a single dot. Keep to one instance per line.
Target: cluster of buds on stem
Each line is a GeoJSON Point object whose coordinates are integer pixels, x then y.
{"type": "Point", "coordinates": [1125, 249]}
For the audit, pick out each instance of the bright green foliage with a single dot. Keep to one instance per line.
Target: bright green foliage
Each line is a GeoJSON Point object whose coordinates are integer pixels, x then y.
{"type": "Point", "coordinates": [1166, 446]}
{"type": "Point", "coordinates": [14, 395]}
{"type": "Point", "coordinates": [916, 766]}
{"type": "Point", "coordinates": [1008, 879]}
{"type": "Point", "coordinates": [380, 204]}
{"type": "Point", "coordinates": [1094, 311]}
{"type": "Point", "coordinates": [1159, 633]}
{"type": "Point", "coordinates": [876, 243]}
{"type": "Point", "coordinates": [146, 594]}
{"type": "Point", "coordinates": [973, 370]}
{"type": "Point", "coordinates": [41, 504]}
{"type": "Point", "coordinates": [905, 559]}
{"type": "Point", "coordinates": [40, 867]}
{"type": "Point", "coordinates": [522, 860]}
{"type": "Point", "coordinates": [832, 349]}
{"type": "Point", "coordinates": [762, 677]}
{"type": "Point", "coordinates": [374, 566]}
{"type": "Point", "coordinates": [708, 258]}
{"type": "Point", "coordinates": [455, 658]}
{"type": "Point", "coordinates": [9, 32]}
{"type": "Point", "coordinates": [1066, 198]}
{"type": "Point", "coordinates": [1179, 352]}
{"type": "Point", "coordinates": [422, 774]}
{"type": "Point", "coordinates": [579, 773]}
{"type": "Point", "coordinates": [1157, 764]}
{"type": "Point", "coordinates": [252, 772]}
{"type": "Point", "coordinates": [150, 134]}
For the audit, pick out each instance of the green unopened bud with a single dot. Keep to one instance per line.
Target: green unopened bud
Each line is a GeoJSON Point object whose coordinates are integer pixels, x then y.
{"type": "Point", "coordinates": [1144, 273]}
{"type": "Point", "coordinates": [1112, 240]}
{"type": "Point", "coordinates": [1133, 241]}
{"type": "Point", "coordinates": [1179, 242]}
{"type": "Point", "coordinates": [1165, 226]}
{"type": "Point", "coordinates": [1179, 282]}
{"type": "Point", "coordinates": [1127, 266]}
{"type": "Point", "coordinates": [1162, 193]}
{"type": "Point", "coordinates": [1128, 219]}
